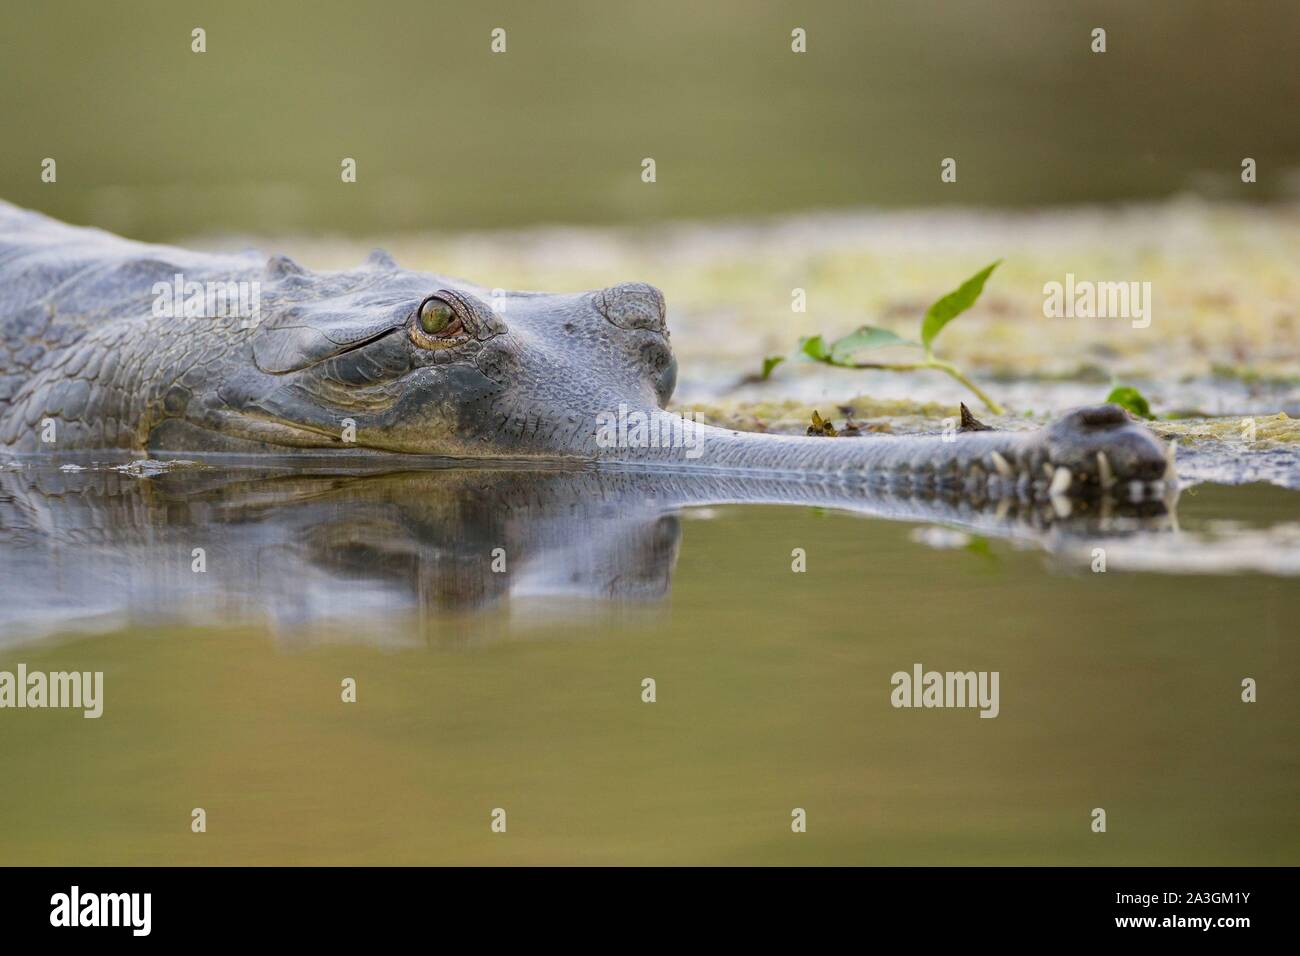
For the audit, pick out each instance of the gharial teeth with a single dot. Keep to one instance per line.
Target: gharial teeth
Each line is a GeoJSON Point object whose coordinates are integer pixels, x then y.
{"type": "Point", "coordinates": [1002, 465]}
{"type": "Point", "coordinates": [1170, 454]}
{"type": "Point", "coordinates": [1060, 482]}
{"type": "Point", "coordinates": [1105, 474]}
{"type": "Point", "coordinates": [1047, 470]}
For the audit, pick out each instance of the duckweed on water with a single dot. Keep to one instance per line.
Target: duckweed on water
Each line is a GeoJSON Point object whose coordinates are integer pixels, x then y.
{"type": "Point", "coordinates": [1259, 431]}
{"type": "Point", "coordinates": [791, 417]}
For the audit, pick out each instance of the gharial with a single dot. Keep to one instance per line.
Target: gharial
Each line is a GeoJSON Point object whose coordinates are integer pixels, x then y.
{"type": "Point", "coordinates": [384, 359]}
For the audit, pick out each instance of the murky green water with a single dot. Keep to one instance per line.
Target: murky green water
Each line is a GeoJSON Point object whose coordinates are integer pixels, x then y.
{"type": "Point", "coordinates": [522, 689]}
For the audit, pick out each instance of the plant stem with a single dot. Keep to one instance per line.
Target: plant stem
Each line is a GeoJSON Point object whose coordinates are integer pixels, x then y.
{"type": "Point", "coordinates": [991, 405]}
{"type": "Point", "coordinates": [933, 363]}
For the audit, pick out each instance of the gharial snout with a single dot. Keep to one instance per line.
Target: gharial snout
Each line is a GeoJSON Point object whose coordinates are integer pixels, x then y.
{"type": "Point", "coordinates": [1102, 447]}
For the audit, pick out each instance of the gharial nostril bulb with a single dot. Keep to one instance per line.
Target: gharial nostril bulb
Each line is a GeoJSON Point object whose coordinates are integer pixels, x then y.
{"type": "Point", "coordinates": [633, 305]}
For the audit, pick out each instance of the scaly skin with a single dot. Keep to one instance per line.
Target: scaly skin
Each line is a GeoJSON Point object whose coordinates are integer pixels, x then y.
{"type": "Point", "coordinates": [342, 361]}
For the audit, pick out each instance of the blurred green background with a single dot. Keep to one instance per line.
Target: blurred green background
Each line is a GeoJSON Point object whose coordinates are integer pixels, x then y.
{"type": "Point", "coordinates": [156, 141]}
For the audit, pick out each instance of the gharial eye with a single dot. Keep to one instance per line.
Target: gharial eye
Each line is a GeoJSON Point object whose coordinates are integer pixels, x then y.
{"type": "Point", "coordinates": [435, 316]}
{"type": "Point", "coordinates": [439, 323]}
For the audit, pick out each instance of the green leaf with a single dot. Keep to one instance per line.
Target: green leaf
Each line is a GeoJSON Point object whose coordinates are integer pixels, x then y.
{"type": "Point", "coordinates": [1131, 399]}
{"type": "Point", "coordinates": [866, 337]}
{"type": "Point", "coordinates": [771, 362]}
{"type": "Point", "coordinates": [814, 346]}
{"type": "Point", "coordinates": [954, 304]}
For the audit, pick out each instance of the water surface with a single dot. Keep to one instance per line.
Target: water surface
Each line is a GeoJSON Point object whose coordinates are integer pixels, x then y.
{"type": "Point", "coordinates": [523, 689]}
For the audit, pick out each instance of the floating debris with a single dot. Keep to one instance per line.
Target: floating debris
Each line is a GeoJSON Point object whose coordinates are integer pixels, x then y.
{"type": "Point", "coordinates": [969, 423]}
{"type": "Point", "coordinates": [152, 467]}
{"type": "Point", "coordinates": [820, 427]}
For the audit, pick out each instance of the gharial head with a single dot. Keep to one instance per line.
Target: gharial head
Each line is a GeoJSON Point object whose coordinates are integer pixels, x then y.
{"type": "Point", "coordinates": [391, 360]}
{"type": "Point", "coordinates": [399, 361]}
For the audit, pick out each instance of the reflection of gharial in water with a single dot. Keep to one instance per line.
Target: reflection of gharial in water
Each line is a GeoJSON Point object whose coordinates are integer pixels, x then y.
{"type": "Point", "coordinates": [102, 547]}
{"type": "Point", "coordinates": [106, 343]}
